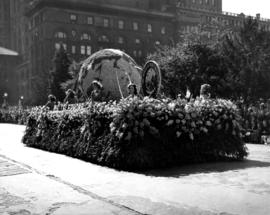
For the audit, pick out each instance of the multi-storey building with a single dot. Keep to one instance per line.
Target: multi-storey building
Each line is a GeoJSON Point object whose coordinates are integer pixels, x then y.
{"type": "Point", "coordinates": [19, 41]}
{"type": "Point", "coordinates": [8, 58]}
{"type": "Point", "coordinates": [4, 23]}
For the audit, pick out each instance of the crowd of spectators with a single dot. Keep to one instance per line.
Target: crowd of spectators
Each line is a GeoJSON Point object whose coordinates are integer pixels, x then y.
{"type": "Point", "coordinates": [255, 120]}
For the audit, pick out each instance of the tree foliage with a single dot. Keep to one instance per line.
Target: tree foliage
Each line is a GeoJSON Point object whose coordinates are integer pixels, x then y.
{"type": "Point", "coordinates": [39, 89]}
{"type": "Point", "coordinates": [247, 57]}
{"type": "Point", "coordinates": [60, 72]}
{"type": "Point", "coordinates": [236, 62]}
{"type": "Point", "coordinates": [74, 70]}
{"type": "Point", "coordinates": [189, 66]}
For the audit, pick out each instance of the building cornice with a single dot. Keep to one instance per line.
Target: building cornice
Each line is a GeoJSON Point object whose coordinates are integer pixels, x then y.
{"type": "Point", "coordinates": [222, 13]}
{"type": "Point", "coordinates": [87, 6]}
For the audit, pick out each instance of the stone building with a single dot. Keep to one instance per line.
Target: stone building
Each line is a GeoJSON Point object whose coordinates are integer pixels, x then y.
{"type": "Point", "coordinates": [8, 78]}
{"type": "Point", "coordinates": [4, 23]}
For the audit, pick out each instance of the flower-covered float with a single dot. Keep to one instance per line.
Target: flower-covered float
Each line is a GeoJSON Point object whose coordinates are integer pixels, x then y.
{"type": "Point", "coordinates": [136, 134]}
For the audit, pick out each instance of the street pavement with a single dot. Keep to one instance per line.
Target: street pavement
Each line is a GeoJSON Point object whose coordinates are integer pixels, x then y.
{"type": "Point", "coordinates": [33, 181]}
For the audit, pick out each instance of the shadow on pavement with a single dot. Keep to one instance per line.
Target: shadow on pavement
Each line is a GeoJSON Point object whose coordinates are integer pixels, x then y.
{"type": "Point", "coordinates": [206, 168]}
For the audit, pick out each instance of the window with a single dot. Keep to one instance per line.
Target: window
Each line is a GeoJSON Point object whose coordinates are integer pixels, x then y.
{"type": "Point", "coordinates": [106, 23]}
{"type": "Point", "coordinates": [85, 36]}
{"type": "Point", "coordinates": [140, 53]}
{"type": "Point", "coordinates": [73, 49]}
{"type": "Point", "coordinates": [57, 46]}
{"type": "Point", "coordinates": [135, 53]}
{"type": "Point", "coordinates": [163, 30]}
{"type": "Point", "coordinates": [83, 50]}
{"type": "Point", "coordinates": [60, 35]}
{"type": "Point", "coordinates": [90, 20]}
{"type": "Point", "coordinates": [137, 41]}
{"type": "Point", "coordinates": [149, 28]}
{"type": "Point", "coordinates": [188, 29]}
{"type": "Point", "coordinates": [103, 38]}
{"type": "Point", "coordinates": [135, 26]}
{"type": "Point", "coordinates": [121, 24]}
{"type": "Point", "coordinates": [88, 50]}
{"type": "Point", "coordinates": [73, 17]}
{"type": "Point", "coordinates": [73, 33]}
{"type": "Point", "coordinates": [120, 40]}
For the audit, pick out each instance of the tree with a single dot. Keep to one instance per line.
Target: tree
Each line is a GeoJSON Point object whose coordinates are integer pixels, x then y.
{"type": "Point", "coordinates": [74, 70]}
{"type": "Point", "coordinates": [189, 66]}
{"type": "Point", "coordinates": [247, 57]}
{"type": "Point", "coordinates": [60, 72]}
{"type": "Point", "coordinates": [39, 89]}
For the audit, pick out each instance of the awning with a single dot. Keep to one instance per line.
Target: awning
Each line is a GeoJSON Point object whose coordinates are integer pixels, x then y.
{"type": "Point", "coordinates": [8, 52]}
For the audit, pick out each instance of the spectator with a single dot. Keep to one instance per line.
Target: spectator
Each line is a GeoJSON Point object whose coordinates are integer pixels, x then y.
{"type": "Point", "coordinates": [5, 104]}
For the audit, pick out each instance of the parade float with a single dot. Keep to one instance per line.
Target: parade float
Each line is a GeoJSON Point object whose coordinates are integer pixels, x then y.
{"type": "Point", "coordinates": [136, 133]}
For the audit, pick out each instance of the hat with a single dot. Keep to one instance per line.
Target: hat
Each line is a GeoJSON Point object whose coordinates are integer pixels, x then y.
{"type": "Point", "coordinates": [131, 85]}
{"type": "Point", "coordinates": [97, 83]}
{"type": "Point", "coordinates": [51, 97]}
{"type": "Point", "coordinates": [70, 91]}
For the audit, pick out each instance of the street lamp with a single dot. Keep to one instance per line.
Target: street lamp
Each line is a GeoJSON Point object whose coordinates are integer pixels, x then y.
{"type": "Point", "coordinates": [5, 105]}
{"type": "Point", "coordinates": [21, 103]}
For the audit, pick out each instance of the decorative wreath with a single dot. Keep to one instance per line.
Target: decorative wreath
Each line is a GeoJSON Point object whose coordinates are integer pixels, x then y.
{"type": "Point", "coordinates": [156, 83]}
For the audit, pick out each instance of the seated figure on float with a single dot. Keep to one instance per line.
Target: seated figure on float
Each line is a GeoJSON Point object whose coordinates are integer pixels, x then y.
{"type": "Point", "coordinates": [71, 97]}
{"type": "Point", "coordinates": [96, 94]}
{"type": "Point", "coordinates": [51, 102]}
{"type": "Point", "coordinates": [205, 92]}
{"type": "Point", "coordinates": [132, 91]}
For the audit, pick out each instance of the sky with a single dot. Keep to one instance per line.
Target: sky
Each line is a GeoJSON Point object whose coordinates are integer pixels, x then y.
{"type": "Point", "coordinates": [248, 7]}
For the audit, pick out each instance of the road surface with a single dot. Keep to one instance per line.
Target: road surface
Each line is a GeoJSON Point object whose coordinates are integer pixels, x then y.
{"type": "Point", "coordinates": [33, 181]}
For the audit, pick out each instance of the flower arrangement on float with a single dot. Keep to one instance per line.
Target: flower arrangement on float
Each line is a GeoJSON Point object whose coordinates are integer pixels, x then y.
{"type": "Point", "coordinates": [140, 133]}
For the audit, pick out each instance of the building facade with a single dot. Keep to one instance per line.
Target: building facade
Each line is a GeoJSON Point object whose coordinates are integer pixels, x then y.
{"type": "Point", "coordinates": [193, 13]}
{"type": "Point", "coordinates": [5, 23]}
{"type": "Point", "coordinates": [8, 78]}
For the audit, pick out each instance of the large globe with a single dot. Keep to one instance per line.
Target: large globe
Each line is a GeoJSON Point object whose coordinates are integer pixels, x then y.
{"type": "Point", "coordinates": [114, 69]}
